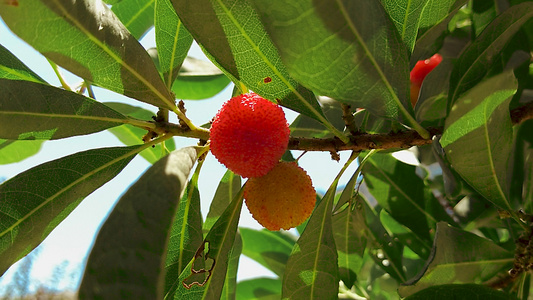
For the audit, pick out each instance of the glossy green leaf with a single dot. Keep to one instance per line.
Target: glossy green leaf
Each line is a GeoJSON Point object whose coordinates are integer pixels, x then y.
{"type": "Point", "coordinates": [227, 189]}
{"type": "Point", "coordinates": [312, 271]}
{"type": "Point", "coordinates": [93, 44]}
{"type": "Point", "coordinates": [246, 52]}
{"type": "Point", "coordinates": [204, 276]}
{"type": "Point", "coordinates": [128, 257]}
{"type": "Point", "coordinates": [259, 289]}
{"type": "Point", "coordinates": [437, 11]}
{"type": "Point", "coordinates": [12, 68]}
{"type": "Point", "coordinates": [329, 47]}
{"type": "Point", "coordinates": [198, 80]}
{"type": "Point", "coordinates": [461, 292]}
{"type": "Point", "coordinates": [230, 282]}
{"type": "Point", "coordinates": [136, 15]}
{"type": "Point", "coordinates": [132, 135]}
{"type": "Point", "coordinates": [459, 257]}
{"type": "Point", "coordinates": [400, 191]}
{"type": "Point", "coordinates": [478, 137]}
{"type": "Point", "coordinates": [186, 234]}
{"type": "Point", "coordinates": [406, 15]}
{"type": "Point", "coordinates": [267, 248]}
{"type": "Point", "coordinates": [476, 60]}
{"type": "Point", "coordinates": [30, 110]}
{"type": "Point", "coordinates": [34, 202]}
{"type": "Point", "coordinates": [172, 39]}
{"type": "Point", "coordinates": [12, 151]}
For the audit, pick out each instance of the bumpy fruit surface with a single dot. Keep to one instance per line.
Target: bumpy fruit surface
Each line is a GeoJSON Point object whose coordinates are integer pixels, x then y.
{"type": "Point", "coordinates": [283, 198]}
{"type": "Point", "coordinates": [249, 135]}
{"type": "Point", "coordinates": [419, 73]}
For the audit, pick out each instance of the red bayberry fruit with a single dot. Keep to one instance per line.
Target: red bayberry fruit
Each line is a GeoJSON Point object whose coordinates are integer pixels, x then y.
{"type": "Point", "coordinates": [283, 198]}
{"type": "Point", "coordinates": [249, 135]}
{"type": "Point", "coordinates": [419, 72]}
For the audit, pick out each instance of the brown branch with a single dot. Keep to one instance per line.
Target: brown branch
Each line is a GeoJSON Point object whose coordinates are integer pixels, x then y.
{"type": "Point", "coordinates": [393, 140]}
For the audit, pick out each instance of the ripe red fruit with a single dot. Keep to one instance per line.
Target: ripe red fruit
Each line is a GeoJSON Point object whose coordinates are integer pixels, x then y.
{"type": "Point", "coordinates": [419, 72]}
{"type": "Point", "coordinates": [249, 135]}
{"type": "Point", "coordinates": [283, 198]}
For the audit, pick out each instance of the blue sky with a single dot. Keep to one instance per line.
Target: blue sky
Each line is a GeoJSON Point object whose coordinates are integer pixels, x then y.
{"type": "Point", "coordinates": [70, 242]}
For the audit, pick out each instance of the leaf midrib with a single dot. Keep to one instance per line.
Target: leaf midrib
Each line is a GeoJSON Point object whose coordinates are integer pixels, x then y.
{"type": "Point", "coordinates": [112, 54]}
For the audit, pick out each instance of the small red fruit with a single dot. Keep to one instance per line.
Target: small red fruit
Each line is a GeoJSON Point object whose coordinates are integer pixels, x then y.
{"type": "Point", "coordinates": [419, 72]}
{"type": "Point", "coordinates": [283, 198]}
{"type": "Point", "coordinates": [249, 135]}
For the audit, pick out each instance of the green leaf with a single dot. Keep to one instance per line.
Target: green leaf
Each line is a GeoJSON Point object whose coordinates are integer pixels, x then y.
{"type": "Point", "coordinates": [459, 257]}
{"type": "Point", "coordinates": [259, 289]}
{"type": "Point", "coordinates": [267, 248]}
{"type": "Point", "coordinates": [34, 202]}
{"type": "Point", "coordinates": [128, 257]}
{"type": "Point", "coordinates": [400, 191]}
{"type": "Point", "coordinates": [227, 189]}
{"type": "Point", "coordinates": [186, 234]}
{"type": "Point", "coordinates": [230, 282]}
{"type": "Point", "coordinates": [478, 137]}
{"type": "Point", "coordinates": [349, 231]}
{"type": "Point", "coordinates": [437, 11]}
{"type": "Point", "coordinates": [198, 80]}
{"type": "Point", "coordinates": [384, 250]}
{"type": "Point", "coordinates": [132, 135]}
{"type": "Point", "coordinates": [329, 47]}
{"type": "Point", "coordinates": [406, 15]}
{"type": "Point", "coordinates": [255, 60]}
{"type": "Point", "coordinates": [12, 68]}
{"type": "Point", "coordinates": [404, 235]}
{"type": "Point", "coordinates": [476, 60]}
{"type": "Point", "coordinates": [136, 15]}
{"type": "Point", "coordinates": [172, 39]}
{"type": "Point", "coordinates": [30, 110]}
{"type": "Point", "coordinates": [14, 151]}
{"type": "Point", "coordinates": [204, 276]}
{"type": "Point", "coordinates": [461, 292]}
{"type": "Point", "coordinates": [93, 44]}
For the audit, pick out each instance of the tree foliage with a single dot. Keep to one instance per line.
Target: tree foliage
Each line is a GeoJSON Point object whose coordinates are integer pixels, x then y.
{"type": "Point", "coordinates": [456, 223]}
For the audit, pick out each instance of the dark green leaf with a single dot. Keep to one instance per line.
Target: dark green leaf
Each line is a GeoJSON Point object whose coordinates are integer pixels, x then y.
{"type": "Point", "coordinates": [406, 15]}
{"type": "Point", "coordinates": [459, 257]}
{"type": "Point", "coordinates": [204, 276]}
{"type": "Point", "coordinates": [237, 40]}
{"type": "Point", "coordinates": [304, 126]}
{"type": "Point", "coordinates": [33, 203]}
{"type": "Point", "coordinates": [93, 44]}
{"type": "Point", "coordinates": [136, 15]}
{"type": "Point", "coordinates": [400, 191]}
{"type": "Point", "coordinates": [437, 11]}
{"type": "Point", "coordinates": [478, 137]}
{"type": "Point", "coordinates": [30, 110]}
{"type": "Point", "coordinates": [259, 289]}
{"type": "Point", "coordinates": [227, 189]}
{"type": "Point", "coordinates": [186, 234]}
{"type": "Point", "coordinates": [12, 68]}
{"type": "Point", "coordinates": [405, 235]}
{"type": "Point", "coordinates": [267, 248]}
{"type": "Point", "coordinates": [12, 151]}
{"type": "Point", "coordinates": [132, 135]}
{"type": "Point", "coordinates": [128, 257]}
{"type": "Point", "coordinates": [172, 39]}
{"type": "Point", "coordinates": [330, 48]}
{"type": "Point", "coordinates": [476, 60]}
{"type": "Point", "coordinates": [461, 292]}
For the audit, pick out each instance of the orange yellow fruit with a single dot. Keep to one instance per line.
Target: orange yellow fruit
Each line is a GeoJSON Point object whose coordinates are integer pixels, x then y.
{"type": "Point", "coordinates": [282, 199]}
{"type": "Point", "coordinates": [249, 134]}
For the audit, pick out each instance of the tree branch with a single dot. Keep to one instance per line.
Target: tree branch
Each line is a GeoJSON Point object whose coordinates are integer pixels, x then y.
{"type": "Point", "coordinates": [393, 140]}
